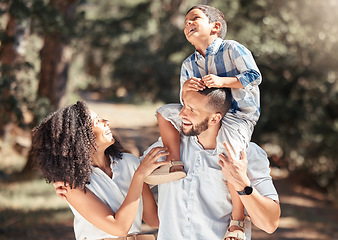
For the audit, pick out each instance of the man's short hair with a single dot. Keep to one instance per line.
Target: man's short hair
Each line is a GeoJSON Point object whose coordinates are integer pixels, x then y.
{"type": "Point", "coordinates": [214, 15]}
{"type": "Point", "coordinates": [219, 99]}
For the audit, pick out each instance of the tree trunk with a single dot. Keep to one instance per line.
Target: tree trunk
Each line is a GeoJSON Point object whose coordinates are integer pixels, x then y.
{"type": "Point", "coordinates": [8, 56]}
{"type": "Point", "coordinates": [9, 52]}
{"type": "Point", "coordinates": [11, 58]}
{"type": "Point", "coordinates": [55, 58]}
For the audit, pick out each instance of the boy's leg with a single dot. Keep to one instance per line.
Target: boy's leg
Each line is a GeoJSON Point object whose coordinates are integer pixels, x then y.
{"type": "Point", "coordinates": [171, 139]}
{"type": "Point", "coordinates": [236, 133]}
{"type": "Point", "coordinates": [169, 123]}
{"type": "Point", "coordinates": [237, 207]}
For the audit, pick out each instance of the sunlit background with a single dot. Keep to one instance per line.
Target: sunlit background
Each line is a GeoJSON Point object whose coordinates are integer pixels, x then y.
{"type": "Point", "coordinates": [124, 57]}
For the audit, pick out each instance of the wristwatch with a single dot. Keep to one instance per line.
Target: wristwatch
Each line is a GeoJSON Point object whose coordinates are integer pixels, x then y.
{"type": "Point", "coordinates": [247, 191]}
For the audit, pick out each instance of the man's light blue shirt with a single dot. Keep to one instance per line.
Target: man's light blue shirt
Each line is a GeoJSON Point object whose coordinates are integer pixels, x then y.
{"type": "Point", "coordinates": [198, 207]}
{"type": "Point", "coordinates": [228, 58]}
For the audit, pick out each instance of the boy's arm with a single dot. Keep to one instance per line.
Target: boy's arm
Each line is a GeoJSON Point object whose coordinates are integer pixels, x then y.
{"type": "Point", "coordinates": [213, 81]}
{"type": "Point", "coordinates": [248, 74]}
{"type": "Point", "coordinates": [192, 84]}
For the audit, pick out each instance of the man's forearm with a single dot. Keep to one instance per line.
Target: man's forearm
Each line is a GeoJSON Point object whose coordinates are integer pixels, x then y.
{"type": "Point", "coordinates": [263, 211]}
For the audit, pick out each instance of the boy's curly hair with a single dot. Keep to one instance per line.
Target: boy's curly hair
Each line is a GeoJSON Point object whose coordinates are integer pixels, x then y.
{"type": "Point", "coordinates": [62, 145]}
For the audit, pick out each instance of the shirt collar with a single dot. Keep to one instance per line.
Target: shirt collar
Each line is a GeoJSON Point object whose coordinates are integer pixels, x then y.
{"type": "Point", "coordinates": [210, 151]}
{"type": "Point", "coordinates": [212, 49]}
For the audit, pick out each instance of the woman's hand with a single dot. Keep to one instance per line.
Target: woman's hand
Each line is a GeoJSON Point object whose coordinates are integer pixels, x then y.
{"type": "Point", "coordinates": [60, 189]}
{"type": "Point", "coordinates": [149, 162]}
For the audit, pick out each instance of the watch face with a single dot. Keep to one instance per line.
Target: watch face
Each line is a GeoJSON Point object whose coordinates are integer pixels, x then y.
{"type": "Point", "coordinates": [248, 190]}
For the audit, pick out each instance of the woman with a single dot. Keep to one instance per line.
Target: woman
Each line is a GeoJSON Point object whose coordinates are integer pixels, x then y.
{"type": "Point", "coordinates": [75, 146]}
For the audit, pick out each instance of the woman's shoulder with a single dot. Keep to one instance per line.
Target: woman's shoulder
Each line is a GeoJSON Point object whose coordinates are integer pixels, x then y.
{"type": "Point", "coordinates": [128, 163]}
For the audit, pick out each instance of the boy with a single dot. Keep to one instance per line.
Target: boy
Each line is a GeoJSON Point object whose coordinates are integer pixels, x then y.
{"type": "Point", "coordinates": [216, 63]}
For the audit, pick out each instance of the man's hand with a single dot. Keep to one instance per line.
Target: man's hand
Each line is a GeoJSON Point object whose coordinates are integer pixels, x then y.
{"type": "Point", "coordinates": [60, 189]}
{"type": "Point", "coordinates": [263, 211]}
{"type": "Point", "coordinates": [234, 170]}
{"type": "Point", "coordinates": [213, 81]}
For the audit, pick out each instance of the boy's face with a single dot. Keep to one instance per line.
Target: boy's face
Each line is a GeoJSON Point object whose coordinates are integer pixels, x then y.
{"type": "Point", "coordinates": [197, 27]}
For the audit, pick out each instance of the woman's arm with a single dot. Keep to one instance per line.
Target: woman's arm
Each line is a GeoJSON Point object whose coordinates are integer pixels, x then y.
{"type": "Point", "coordinates": [150, 216]}
{"type": "Point", "coordinates": [100, 215]}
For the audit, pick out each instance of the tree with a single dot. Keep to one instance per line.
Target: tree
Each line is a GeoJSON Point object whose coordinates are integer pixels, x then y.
{"type": "Point", "coordinates": [136, 47]}
{"type": "Point", "coordinates": [56, 52]}
{"type": "Point", "coordinates": [140, 48]}
{"type": "Point", "coordinates": [53, 20]}
{"type": "Point", "coordinates": [12, 83]}
{"type": "Point", "coordinates": [293, 42]}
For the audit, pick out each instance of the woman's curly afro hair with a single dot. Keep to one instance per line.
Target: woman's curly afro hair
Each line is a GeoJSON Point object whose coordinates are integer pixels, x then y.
{"type": "Point", "coordinates": [62, 146]}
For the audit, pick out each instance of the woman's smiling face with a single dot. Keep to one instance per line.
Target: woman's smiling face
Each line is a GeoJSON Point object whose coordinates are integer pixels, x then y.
{"type": "Point", "coordinates": [103, 134]}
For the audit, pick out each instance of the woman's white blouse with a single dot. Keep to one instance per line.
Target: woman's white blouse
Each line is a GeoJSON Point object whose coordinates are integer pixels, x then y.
{"type": "Point", "coordinates": [112, 191]}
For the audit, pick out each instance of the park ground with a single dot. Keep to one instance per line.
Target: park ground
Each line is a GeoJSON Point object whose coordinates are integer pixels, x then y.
{"type": "Point", "coordinates": [29, 208]}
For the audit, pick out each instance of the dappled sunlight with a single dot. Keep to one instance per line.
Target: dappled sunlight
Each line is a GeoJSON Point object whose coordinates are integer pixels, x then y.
{"type": "Point", "coordinates": [122, 56]}
{"type": "Point", "coordinates": [289, 222]}
{"type": "Point", "coordinates": [298, 201]}
{"type": "Point", "coordinates": [125, 115]}
{"type": "Point", "coordinates": [29, 196]}
{"type": "Point", "coordinates": [292, 228]}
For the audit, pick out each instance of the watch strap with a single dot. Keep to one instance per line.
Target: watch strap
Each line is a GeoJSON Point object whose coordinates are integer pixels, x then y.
{"type": "Point", "coordinates": [246, 191]}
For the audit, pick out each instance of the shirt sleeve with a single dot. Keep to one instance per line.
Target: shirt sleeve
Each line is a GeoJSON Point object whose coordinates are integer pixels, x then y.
{"type": "Point", "coordinates": [259, 172]}
{"type": "Point", "coordinates": [170, 112]}
{"type": "Point", "coordinates": [249, 74]}
{"type": "Point", "coordinates": [183, 77]}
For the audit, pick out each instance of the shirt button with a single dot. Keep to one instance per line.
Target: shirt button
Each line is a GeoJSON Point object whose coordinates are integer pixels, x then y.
{"type": "Point", "coordinates": [189, 219]}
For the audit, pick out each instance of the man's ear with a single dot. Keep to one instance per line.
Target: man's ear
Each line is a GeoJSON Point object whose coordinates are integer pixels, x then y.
{"type": "Point", "coordinates": [216, 118]}
{"type": "Point", "coordinates": [217, 27]}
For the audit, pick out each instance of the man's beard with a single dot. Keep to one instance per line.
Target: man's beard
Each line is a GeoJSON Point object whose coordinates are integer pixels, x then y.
{"type": "Point", "coordinates": [198, 129]}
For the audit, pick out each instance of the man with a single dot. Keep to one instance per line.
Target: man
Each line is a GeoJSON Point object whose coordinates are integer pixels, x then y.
{"type": "Point", "coordinates": [199, 206]}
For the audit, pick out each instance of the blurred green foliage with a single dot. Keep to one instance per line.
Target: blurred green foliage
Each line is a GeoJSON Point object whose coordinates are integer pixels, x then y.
{"type": "Point", "coordinates": [294, 42]}
{"type": "Point", "coordinates": [132, 51]}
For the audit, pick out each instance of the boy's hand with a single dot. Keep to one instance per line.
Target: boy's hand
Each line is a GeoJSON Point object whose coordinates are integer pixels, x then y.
{"type": "Point", "coordinates": [193, 84]}
{"type": "Point", "coordinates": [213, 81]}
